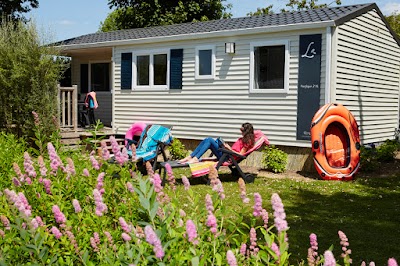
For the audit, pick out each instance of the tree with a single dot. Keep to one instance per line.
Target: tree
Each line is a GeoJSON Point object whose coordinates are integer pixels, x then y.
{"type": "Point", "coordinates": [28, 79]}
{"type": "Point", "coordinates": [130, 14]}
{"type": "Point", "coordinates": [294, 5]}
{"type": "Point", "coordinates": [13, 9]}
{"type": "Point", "coordinates": [307, 4]}
{"type": "Point", "coordinates": [394, 22]}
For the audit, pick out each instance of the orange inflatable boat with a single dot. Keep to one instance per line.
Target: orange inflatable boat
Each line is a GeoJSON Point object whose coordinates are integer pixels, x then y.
{"type": "Point", "coordinates": [335, 142]}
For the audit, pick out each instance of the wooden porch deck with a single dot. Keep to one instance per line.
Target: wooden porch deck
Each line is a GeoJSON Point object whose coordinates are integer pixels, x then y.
{"type": "Point", "coordinates": [69, 136]}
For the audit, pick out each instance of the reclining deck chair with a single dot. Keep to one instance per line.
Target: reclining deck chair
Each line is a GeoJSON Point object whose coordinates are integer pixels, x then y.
{"type": "Point", "coordinates": [153, 141]}
{"type": "Point", "coordinates": [232, 159]}
{"type": "Point", "coordinates": [229, 158]}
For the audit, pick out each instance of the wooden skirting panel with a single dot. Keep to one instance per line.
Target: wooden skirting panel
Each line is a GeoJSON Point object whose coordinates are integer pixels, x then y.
{"type": "Point", "coordinates": [299, 159]}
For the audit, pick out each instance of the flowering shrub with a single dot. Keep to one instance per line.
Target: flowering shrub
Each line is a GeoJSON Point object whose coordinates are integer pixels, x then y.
{"type": "Point", "coordinates": [84, 210]}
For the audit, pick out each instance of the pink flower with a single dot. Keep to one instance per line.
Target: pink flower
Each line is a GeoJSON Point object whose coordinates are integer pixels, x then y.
{"type": "Point", "coordinates": [56, 232]}
{"type": "Point", "coordinates": [95, 163]}
{"type": "Point", "coordinates": [217, 186]}
{"type": "Point", "coordinates": [2, 234]}
{"type": "Point", "coordinates": [209, 204]}
{"type": "Point", "coordinates": [264, 216]}
{"type": "Point", "coordinates": [275, 249]}
{"type": "Point", "coordinates": [392, 262]}
{"type": "Point", "coordinates": [34, 223]}
{"type": "Point", "coordinates": [105, 154]}
{"type": "Point", "coordinates": [329, 259]}
{"type": "Point", "coordinates": [124, 225]}
{"type": "Point", "coordinates": [100, 184]}
{"type": "Point", "coordinates": [36, 119]}
{"type": "Point", "coordinates": [153, 240]}
{"type": "Point", "coordinates": [101, 208]}
{"type": "Point", "coordinates": [42, 166]}
{"type": "Point", "coordinates": [171, 177]}
{"type": "Point", "coordinates": [28, 165]}
{"type": "Point", "coordinates": [312, 251]}
{"type": "Point", "coordinates": [20, 202]}
{"type": "Point", "coordinates": [58, 215]}
{"type": "Point", "coordinates": [344, 241]}
{"type": "Point", "coordinates": [230, 258]}
{"type": "Point", "coordinates": [95, 242]}
{"type": "Point", "coordinates": [17, 170]}
{"type": "Point", "coordinates": [129, 186]}
{"type": "Point", "coordinates": [191, 232]}
{"type": "Point", "coordinates": [157, 182]}
{"type": "Point", "coordinates": [185, 182]}
{"type": "Point", "coordinates": [55, 161]}
{"type": "Point", "coordinates": [86, 172]}
{"type": "Point", "coordinates": [76, 205]}
{"type": "Point", "coordinates": [242, 188]}
{"type": "Point", "coordinates": [253, 241]}
{"type": "Point", "coordinates": [70, 167]}
{"type": "Point", "coordinates": [47, 185]}
{"type": "Point", "coordinates": [16, 182]}
{"type": "Point", "coordinates": [257, 205]}
{"type": "Point", "coordinates": [243, 249]}
{"type": "Point", "coordinates": [72, 239]}
{"type": "Point", "coordinates": [182, 213]}
{"type": "Point", "coordinates": [5, 221]}
{"type": "Point", "coordinates": [126, 237]}
{"type": "Point", "coordinates": [212, 223]}
{"type": "Point", "coordinates": [39, 221]}
{"type": "Point", "coordinates": [279, 213]}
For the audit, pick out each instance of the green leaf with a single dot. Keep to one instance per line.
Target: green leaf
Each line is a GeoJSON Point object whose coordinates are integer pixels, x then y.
{"type": "Point", "coordinates": [195, 261]}
{"type": "Point", "coordinates": [218, 257]}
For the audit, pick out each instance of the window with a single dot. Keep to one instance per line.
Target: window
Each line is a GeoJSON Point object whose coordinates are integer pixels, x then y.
{"type": "Point", "coordinates": [269, 67]}
{"type": "Point", "coordinates": [100, 76]}
{"type": "Point", "coordinates": [151, 70]}
{"type": "Point", "coordinates": [205, 62]}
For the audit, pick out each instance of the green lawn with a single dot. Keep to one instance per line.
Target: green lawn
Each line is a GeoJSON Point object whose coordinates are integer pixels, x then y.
{"type": "Point", "coordinates": [367, 210]}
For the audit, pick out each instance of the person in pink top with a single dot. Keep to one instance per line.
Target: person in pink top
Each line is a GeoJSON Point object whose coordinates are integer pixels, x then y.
{"type": "Point", "coordinates": [242, 145]}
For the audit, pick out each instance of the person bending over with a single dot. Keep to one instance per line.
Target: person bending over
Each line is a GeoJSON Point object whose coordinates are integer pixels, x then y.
{"type": "Point", "coordinates": [242, 145]}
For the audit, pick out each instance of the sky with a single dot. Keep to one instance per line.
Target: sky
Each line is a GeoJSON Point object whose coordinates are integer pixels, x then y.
{"type": "Point", "coordinates": [64, 19]}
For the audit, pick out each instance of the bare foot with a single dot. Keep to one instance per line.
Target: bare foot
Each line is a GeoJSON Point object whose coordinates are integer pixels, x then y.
{"type": "Point", "coordinates": [193, 160]}
{"type": "Point", "coordinates": [184, 160]}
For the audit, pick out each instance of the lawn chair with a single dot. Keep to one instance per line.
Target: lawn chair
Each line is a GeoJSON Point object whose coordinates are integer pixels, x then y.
{"type": "Point", "coordinates": [232, 159]}
{"type": "Point", "coordinates": [229, 158]}
{"type": "Point", "coordinates": [153, 141]}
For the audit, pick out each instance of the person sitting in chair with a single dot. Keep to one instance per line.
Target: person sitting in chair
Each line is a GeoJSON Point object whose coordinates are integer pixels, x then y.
{"type": "Point", "coordinates": [242, 145]}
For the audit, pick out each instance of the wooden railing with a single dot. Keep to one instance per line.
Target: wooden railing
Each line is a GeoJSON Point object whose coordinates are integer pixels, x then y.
{"type": "Point", "coordinates": [68, 107]}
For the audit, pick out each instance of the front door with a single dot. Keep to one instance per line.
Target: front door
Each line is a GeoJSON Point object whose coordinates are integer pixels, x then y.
{"type": "Point", "coordinates": [96, 76]}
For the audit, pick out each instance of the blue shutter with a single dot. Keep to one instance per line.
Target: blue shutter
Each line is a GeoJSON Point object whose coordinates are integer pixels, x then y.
{"type": "Point", "coordinates": [126, 71]}
{"type": "Point", "coordinates": [175, 76]}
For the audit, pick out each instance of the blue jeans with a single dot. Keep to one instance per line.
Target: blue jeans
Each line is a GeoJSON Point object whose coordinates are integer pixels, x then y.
{"type": "Point", "coordinates": [207, 143]}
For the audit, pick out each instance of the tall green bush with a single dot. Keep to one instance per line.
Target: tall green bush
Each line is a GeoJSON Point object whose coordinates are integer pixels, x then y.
{"type": "Point", "coordinates": [28, 79]}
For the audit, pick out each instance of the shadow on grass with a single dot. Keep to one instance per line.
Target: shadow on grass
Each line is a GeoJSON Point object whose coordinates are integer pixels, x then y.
{"type": "Point", "coordinates": [370, 218]}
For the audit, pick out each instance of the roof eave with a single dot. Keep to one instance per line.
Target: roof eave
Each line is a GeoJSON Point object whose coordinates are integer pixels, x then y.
{"type": "Point", "coordinates": [197, 36]}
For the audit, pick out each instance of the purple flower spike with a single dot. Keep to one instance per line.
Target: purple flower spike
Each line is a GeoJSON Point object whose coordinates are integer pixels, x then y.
{"type": "Point", "coordinates": [191, 232]}
{"type": "Point", "coordinates": [279, 213]}
{"type": "Point", "coordinates": [57, 234]}
{"type": "Point", "coordinates": [230, 258]}
{"type": "Point", "coordinates": [257, 205]}
{"type": "Point", "coordinates": [152, 239]}
{"type": "Point", "coordinates": [329, 259]}
{"type": "Point", "coordinates": [392, 262]}
{"type": "Point", "coordinates": [58, 215]}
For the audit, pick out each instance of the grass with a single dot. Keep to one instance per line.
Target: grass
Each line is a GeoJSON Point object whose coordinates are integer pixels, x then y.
{"type": "Point", "coordinates": [367, 210]}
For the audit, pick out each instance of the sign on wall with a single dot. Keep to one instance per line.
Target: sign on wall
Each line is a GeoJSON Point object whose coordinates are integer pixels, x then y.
{"type": "Point", "coordinates": [308, 83]}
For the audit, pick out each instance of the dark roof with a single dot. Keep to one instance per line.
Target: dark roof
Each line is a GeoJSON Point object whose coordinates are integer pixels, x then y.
{"type": "Point", "coordinates": [338, 14]}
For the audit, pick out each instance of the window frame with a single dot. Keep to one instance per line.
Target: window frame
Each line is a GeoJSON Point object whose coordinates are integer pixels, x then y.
{"type": "Point", "coordinates": [197, 62]}
{"type": "Point", "coordinates": [151, 86]}
{"type": "Point", "coordinates": [253, 45]}
{"type": "Point", "coordinates": [92, 62]}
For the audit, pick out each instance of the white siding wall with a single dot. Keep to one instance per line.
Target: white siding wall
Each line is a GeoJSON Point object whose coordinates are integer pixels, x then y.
{"type": "Point", "coordinates": [367, 75]}
{"type": "Point", "coordinates": [217, 108]}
